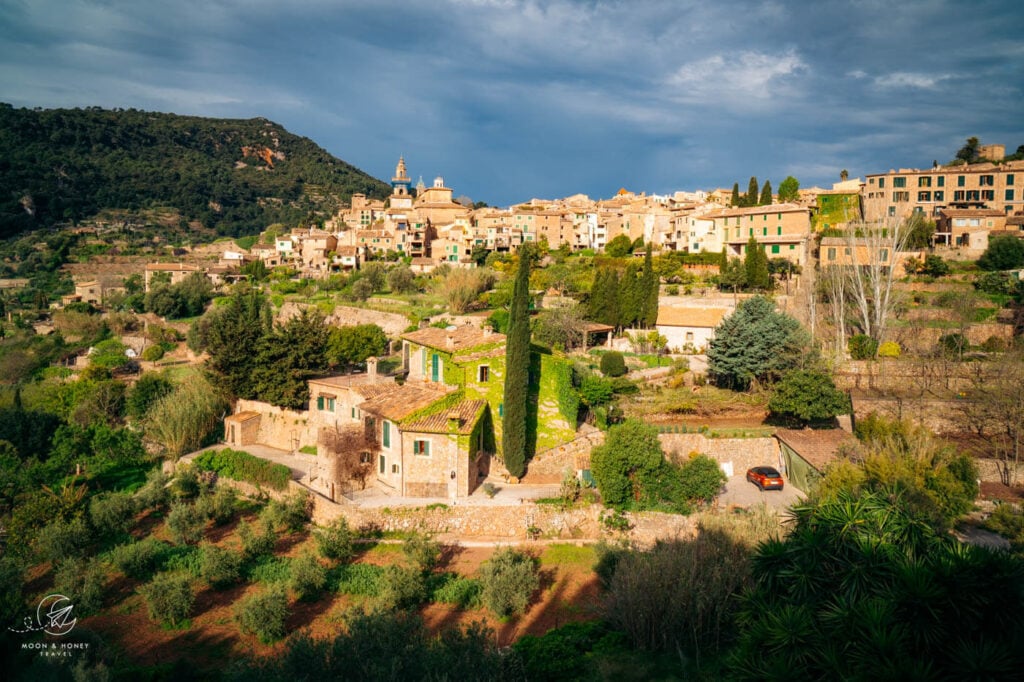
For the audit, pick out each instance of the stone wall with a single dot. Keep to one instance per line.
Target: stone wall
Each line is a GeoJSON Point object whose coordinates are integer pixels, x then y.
{"type": "Point", "coordinates": [393, 324]}
{"type": "Point", "coordinates": [280, 428]}
{"type": "Point", "coordinates": [742, 453]}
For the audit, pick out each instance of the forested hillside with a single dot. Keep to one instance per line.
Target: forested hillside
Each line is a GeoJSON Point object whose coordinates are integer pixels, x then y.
{"type": "Point", "coordinates": [231, 175]}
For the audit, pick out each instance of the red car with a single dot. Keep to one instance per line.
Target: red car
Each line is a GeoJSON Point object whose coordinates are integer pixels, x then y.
{"type": "Point", "coordinates": [765, 478]}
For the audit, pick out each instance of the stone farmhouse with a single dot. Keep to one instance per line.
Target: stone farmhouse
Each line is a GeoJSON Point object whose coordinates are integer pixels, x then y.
{"type": "Point", "coordinates": [435, 432]}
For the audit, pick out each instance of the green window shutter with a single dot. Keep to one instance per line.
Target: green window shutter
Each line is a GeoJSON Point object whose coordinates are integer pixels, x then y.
{"type": "Point", "coordinates": [319, 402]}
{"type": "Point", "coordinates": [387, 434]}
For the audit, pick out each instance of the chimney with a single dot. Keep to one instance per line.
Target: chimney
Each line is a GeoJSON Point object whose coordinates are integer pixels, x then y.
{"type": "Point", "coordinates": [487, 330]}
{"type": "Point", "coordinates": [454, 421]}
{"type": "Point", "coordinates": [449, 341]}
{"type": "Point", "coordinates": [371, 368]}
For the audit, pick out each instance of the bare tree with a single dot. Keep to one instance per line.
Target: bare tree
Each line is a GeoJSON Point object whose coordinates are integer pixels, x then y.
{"type": "Point", "coordinates": [834, 287]}
{"type": "Point", "coordinates": [874, 250]}
{"type": "Point", "coordinates": [994, 411]}
{"type": "Point", "coordinates": [349, 450]}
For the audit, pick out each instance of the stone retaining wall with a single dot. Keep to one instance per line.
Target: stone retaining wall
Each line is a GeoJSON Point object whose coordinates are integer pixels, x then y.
{"type": "Point", "coordinates": [742, 453]}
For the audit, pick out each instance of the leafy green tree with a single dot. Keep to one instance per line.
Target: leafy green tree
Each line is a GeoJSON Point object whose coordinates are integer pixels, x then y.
{"type": "Point", "coordinates": [630, 454]}
{"type": "Point", "coordinates": [918, 230]}
{"type": "Point", "coordinates": [219, 567]}
{"type": "Point", "coordinates": [517, 379]}
{"type": "Point", "coordinates": [264, 615]}
{"type": "Point", "coordinates": [619, 247]}
{"type": "Point", "coordinates": [150, 388]}
{"type": "Point", "coordinates": [185, 524]}
{"type": "Point", "coordinates": [736, 200]}
{"type": "Point", "coordinates": [934, 266]}
{"type": "Point", "coordinates": [751, 197]}
{"type": "Point", "coordinates": [808, 396]}
{"type": "Point", "coordinates": [970, 152]}
{"type": "Point", "coordinates": [308, 576]}
{"type": "Point", "coordinates": [353, 344]}
{"type": "Point", "coordinates": [1003, 253]}
{"type": "Point", "coordinates": [401, 280]}
{"type": "Point", "coordinates": [288, 357]}
{"type": "Point", "coordinates": [789, 190]}
{"type": "Point", "coordinates": [766, 194]}
{"type": "Point", "coordinates": [255, 270]}
{"type": "Point", "coordinates": [335, 541]}
{"type": "Point", "coordinates": [169, 597]}
{"type": "Point", "coordinates": [508, 580]}
{"type": "Point", "coordinates": [82, 581]}
{"type": "Point", "coordinates": [755, 343]}
{"type": "Point", "coordinates": [61, 540]}
{"type": "Point", "coordinates": [112, 513]}
{"type": "Point", "coordinates": [733, 275]}
{"type": "Point", "coordinates": [755, 263]}
{"type": "Point", "coordinates": [402, 587]}
{"type": "Point", "coordinates": [232, 336]}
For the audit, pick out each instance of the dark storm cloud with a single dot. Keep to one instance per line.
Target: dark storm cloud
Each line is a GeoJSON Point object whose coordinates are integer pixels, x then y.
{"type": "Point", "coordinates": [513, 99]}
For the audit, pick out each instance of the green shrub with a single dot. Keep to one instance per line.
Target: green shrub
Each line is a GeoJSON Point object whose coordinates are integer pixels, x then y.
{"type": "Point", "coordinates": [454, 589]}
{"type": "Point", "coordinates": [255, 544]}
{"type": "Point", "coordinates": [334, 541]}
{"type": "Point", "coordinates": [112, 513]}
{"type": "Point", "coordinates": [154, 493]}
{"type": "Point", "coordinates": [153, 353]}
{"type": "Point", "coordinates": [264, 615]}
{"type": "Point", "coordinates": [401, 588]}
{"type": "Point", "coordinates": [185, 523]}
{"type": "Point", "coordinates": [62, 540]}
{"type": "Point", "coordinates": [613, 364]}
{"type": "Point", "coordinates": [862, 347]}
{"type": "Point", "coordinates": [138, 559]}
{"type": "Point", "coordinates": [422, 551]}
{"type": "Point", "coordinates": [81, 581]}
{"type": "Point", "coordinates": [185, 484]}
{"type": "Point", "coordinates": [702, 479]}
{"type": "Point", "coordinates": [169, 597]}
{"type": "Point", "coordinates": [219, 567]}
{"type": "Point", "coordinates": [308, 576]}
{"type": "Point", "coordinates": [357, 579]}
{"type": "Point", "coordinates": [507, 581]}
{"type": "Point", "coordinates": [241, 466]}
{"type": "Point", "coordinates": [954, 344]}
{"type": "Point", "coordinates": [269, 569]}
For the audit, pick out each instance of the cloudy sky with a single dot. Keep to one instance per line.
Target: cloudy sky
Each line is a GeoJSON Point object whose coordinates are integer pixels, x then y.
{"type": "Point", "coordinates": [511, 99]}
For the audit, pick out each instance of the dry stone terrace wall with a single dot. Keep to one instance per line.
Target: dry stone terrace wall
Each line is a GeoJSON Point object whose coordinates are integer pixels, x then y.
{"type": "Point", "coordinates": [743, 453]}
{"type": "Point", "coordinates": [393, 324]}
{"type": "Point", "coordinates": [280, 428]}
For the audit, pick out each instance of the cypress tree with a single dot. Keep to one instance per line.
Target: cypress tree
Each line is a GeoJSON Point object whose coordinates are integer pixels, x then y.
{"type": "Point", "coordinates": [631, 296]}
{"type": "Point", "coordinates": [766, 194]}
{"type": "Point", "coordinates": [650, 283]}
{"type": "Point", "coordinates": [756, 265]}
{"type": "Point", "coordinates": [751, 198]}
{"type": "Point", "coordinates": [604, 297]}
{"type": "Point", "coordinates": [517, 370]}
{"type": "Point", "coordinates": [735, 194]}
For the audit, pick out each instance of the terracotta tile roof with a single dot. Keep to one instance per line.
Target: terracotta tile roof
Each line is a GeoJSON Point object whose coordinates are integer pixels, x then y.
{"type": "Point", "coordinates": [972, 213]}
{"type": "Point", "coordinates": [401, 401]}
{"type": "Point", "coordinates": [242, 416]}
{"type": "Point", "coordinates": [361, 384]}
{"type": "Point", "coordinates": [171, 267]}
{"type": "Point", "coordinates": [758, 210]}
{"type": "Point", "coordinates": [467, 412]}
{"type": "Point", "coordinates": [817, 447]}
{"type": "Point", "coordinates": [691, 317]}
{"type": "Point", "coordinates": [463, 337]}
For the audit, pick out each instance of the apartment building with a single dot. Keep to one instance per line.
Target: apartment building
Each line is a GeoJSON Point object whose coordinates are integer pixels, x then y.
{"type": "Point", "coordinates": [783, 229]}
{"type": "Point", "coordinates": [898, 194]}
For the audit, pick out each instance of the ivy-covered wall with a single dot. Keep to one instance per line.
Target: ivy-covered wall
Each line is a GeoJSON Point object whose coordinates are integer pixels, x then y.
{"type": "Point", "coordinates": [836, 209]}
{"type": "Point", "coordinates": [557, 402]}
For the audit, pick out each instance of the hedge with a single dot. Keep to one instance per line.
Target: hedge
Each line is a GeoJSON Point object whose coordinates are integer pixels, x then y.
{"type": "Point", "coordinates": [241, 466]}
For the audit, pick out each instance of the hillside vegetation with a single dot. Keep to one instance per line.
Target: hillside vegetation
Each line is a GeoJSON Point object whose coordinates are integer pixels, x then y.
{"type": "Point", "coordinates": [235, 176]}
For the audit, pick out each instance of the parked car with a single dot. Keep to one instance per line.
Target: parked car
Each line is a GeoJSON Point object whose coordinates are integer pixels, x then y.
{"type": "Point", "coordinates": [765, 478]}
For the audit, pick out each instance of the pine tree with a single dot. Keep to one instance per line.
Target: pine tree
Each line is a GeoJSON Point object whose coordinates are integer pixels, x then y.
{"type": "Point", "coordinates": [735, 194]}
{"type": "Point", "coordinates": [766, 194]}
{"type": "Point", "coordinates": [789, 189]}
{"type": "Point", "coordinates": [751, 198]}
{"type": "Point", "coordinates": [756, 265]}
{"type": "Point", "coordinates": [517, 370]}
{"type": "Point", "coordinates": [650, 285]}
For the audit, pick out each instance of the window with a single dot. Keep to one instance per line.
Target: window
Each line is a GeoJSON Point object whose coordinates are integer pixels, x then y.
{"type": "Point", "coordinates": [1009, 179]}
{"type": "Point", "coordinates": [958, 195]}
{"type": "Point", "coordinates": [881, 182]}
{"type": "Point", "coordinates": [775, 248]}
{"type": "Point", "coordinates": [899, 182]}
{"type": "Point", "coordinates": [988, 194]}
{"type": "Point", "coordinates": [1008, 195]}
{"type": "Point", "coordinates": [366, 458]}
{"type": "Point", "coordinates": [831, 253]}
{"type": "Point", "coordinates": [751, 232]}
{"type": "Point", "coordinates": [483, 374]}
{"type": "Point", "coordinates": [501, 409]}
{"type": "Point", "coordinates": [941, 181]}
{"type": "Point", "coordinates": [779, 229]}
{"type": "Point", "coordinates": [892, 211]}
{"type": "Point", "coordinates": [381, 466]}
{"type": "Point", "coordinates": [883, 255]}
{"type": "Point", "coordinates": [792, 247]}
{"type": "Point", "coordinates": [320, 402]}
{"type": "Point", "coordinates": [421, 448]}
{"type": "Point", "coordinates": [924, 181]}
{"type": "Point", "coordinates": [394, 468]}
{"type": "Point", "coordinates": [924, 196]}
{"type": "Point", "coordinates": [325, 403]}
{"type": "Point", "coordinates": [386, 435]}
{"type": "Point", "coordinates": [959, 181]}
{"type": "Point", "coordinates": [939, 195]}
{"type": "Point", "coordinates": [986, 180]}
{"type": "Point", "coordinates": [901, 196]}
{"type": "Point", "coordinates": [330, 404]}
{"type": "Point", "coordinates": [973, 195]}
{"type": "Point", "coordinates": [764, 232]}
